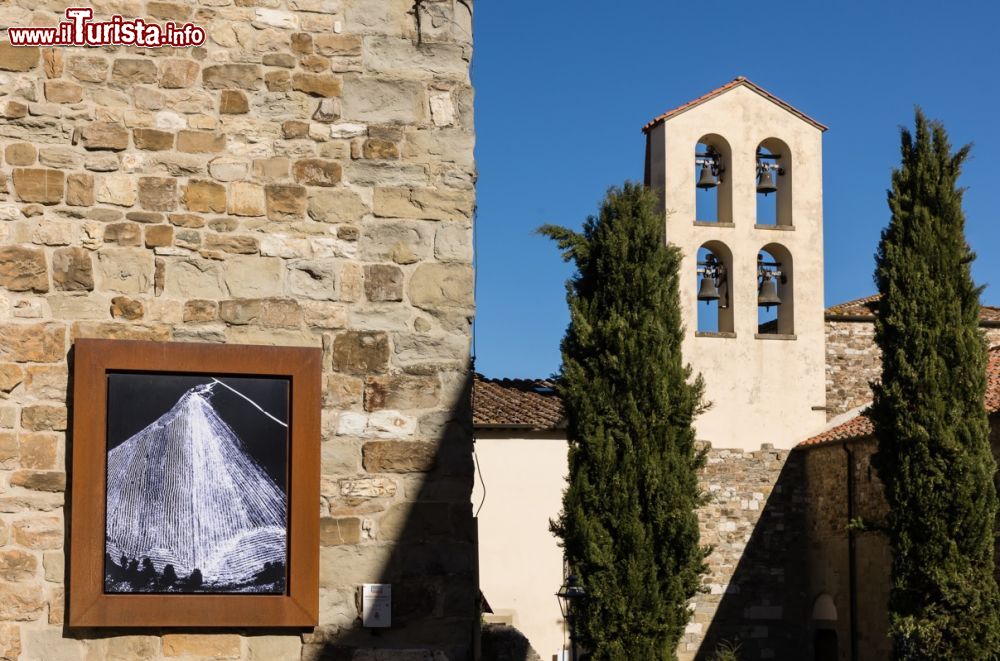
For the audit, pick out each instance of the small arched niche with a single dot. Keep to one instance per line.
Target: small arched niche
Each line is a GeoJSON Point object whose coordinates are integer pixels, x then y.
{"type": "Point", "coordinates": [775, 284]}
{"type": "Point", "coordinates": [773, 165]}
{"type": "Point", "coordinates": [715, 263]}
{"type": "Point", "coordinates": [713, 189]}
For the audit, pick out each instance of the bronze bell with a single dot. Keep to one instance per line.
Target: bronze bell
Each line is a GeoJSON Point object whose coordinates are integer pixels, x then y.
{"type": "Point", "coordinates": [706, 179]}
{"type": "Point", "coordinates": [768, 294]}
{"type": "Point", "coordinates": [707, 291]}
{"type": "Point", "coordinates": [766, 183]}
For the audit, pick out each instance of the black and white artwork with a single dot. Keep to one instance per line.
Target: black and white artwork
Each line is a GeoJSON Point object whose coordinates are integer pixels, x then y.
{"type": "Point", "coordinates": [196, 484]}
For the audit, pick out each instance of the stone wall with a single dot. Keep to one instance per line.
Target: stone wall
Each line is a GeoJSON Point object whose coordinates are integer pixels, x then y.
{"type": "Point", "coordinates": [304, 178]}
{"type": "Point", "coordinates": [853, 361]}
{"type": "Point", "coordinates": [753, 592]}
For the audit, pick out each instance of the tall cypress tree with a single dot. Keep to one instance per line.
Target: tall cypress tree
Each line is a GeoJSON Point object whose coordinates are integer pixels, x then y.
{"type": "Point", "coordinates": [628, 525]}
{"type": "Point", "coordinates": [930, 421]}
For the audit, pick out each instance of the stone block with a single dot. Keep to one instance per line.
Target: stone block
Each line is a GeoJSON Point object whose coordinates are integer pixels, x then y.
{"type": "Point", "coordinates": [11, 376]}
{"type": "Point", "coordinates": [383, 282]}
{"type": "Point", "coordinates": [129, 309]}
{"type": "Point", "coordinates": [231, 76]}
{"type": "Point", "coordinates": [158, 193]}
{"type": "Point", "coordinates": [323, 85]}
{"type": "Point", "coordinates": [317, 172]}
{"type": "Point", "coordinates": [253, 277]}
{"type": "Point", "coordinates": [20, 153]}
{"type": "Point", "coordinates": [10, 642]}
{"type": "Point", "coordinates": [17, 565]}
{"type": "Point", "coordinates": [18, 58]}
{"type": "Point", "coordinates": [401, 392]}
{"type": "Point", "coordinates": [104, 136]}
{"type": "Point", "coordinates": [133, 71]}
{"type": "Point", "coordinates": [398, 456]}
{"type": "Point", "coordinates": [72, 269]}
{"type": "Point", "coordinates": [125, 270]}
{"type": "Point", "coordinates": [123, 234]}
{"type": "Point", "coordinates": [285, 201]}
{"type": "Point", "coordinates": [36, 343]}
{"type": "Point", "coordinates": [205, 197]}
{"type": "Point", "coordinates": [274, 313]}
{"type": "Point", "coordinates": [453, 243]}
{"type": "Point", "coordinates": [198, 310]}
{"type": "Point", "coordinates": [116, 189]}
{"type": "Point", "coordinates": [233, 102]}
{"type": "Point", "coordinates": [315, 279]}
{"type": "Point", "coordinates": [177, 73]}
{"type": "Point", "coordinates": [39, 450]}
{"type": "Point", "coordinates": [442, 286]}
{"type": "Point", "coordinates": [332, 532]}
{"type": "Point", "coordinates": [380, 101]}
{"type": "Point", "coordinates": [23, 269]}
{"type": "Point", "coordinates": [39, 185]}
{"type": "Point", "coordinates": [247, 199]}
{"type": "Point", "coordinates": [360, 352]}
{"type": "Point", "coordinates": [200, 142]}
{"type": "Point", "coordinates": [43, 417]}
{"type": "Point", "coordinates": [337, 205]}
{"type": "Point", "coordinates": [212, 646]}
{"type": "Point", "coordinates": [278, 81]}
{"type": "Point", "coordinates": [152, 139]}
{"type": "Point", "coordinates": [195, 278]}
{"type": "Point", "coordinates": [22, 602]}
{"type": "Point", "coordinates": [227, 169]}
{"type": "Point", "coordinates": [274, 648]}
{"type": "Point", "coordinates": [380, 149]}
{"type": "Point", "coordinates": [80, 190]}
{"type": "Point", "coordinates": [35, 531]}
{"type": "Point", "coordinates": [424, 203]}
{"type": "Point", "coordinates": [158, 236]}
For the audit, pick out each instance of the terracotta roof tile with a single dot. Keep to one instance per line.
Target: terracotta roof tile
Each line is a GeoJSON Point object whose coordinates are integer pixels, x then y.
{"type": "Point", "coordinates": [736, 82]}
{"type": "Point", "coordinates": [861, 425]}
{"type": "Point", "coordinates": [867, 308]}
{"type": "Point", "coordinates": [519, 403]}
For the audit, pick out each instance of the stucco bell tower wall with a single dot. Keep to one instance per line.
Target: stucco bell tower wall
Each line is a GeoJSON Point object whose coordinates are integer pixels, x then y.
{"type": "Point", "coordinates": [764, 388]}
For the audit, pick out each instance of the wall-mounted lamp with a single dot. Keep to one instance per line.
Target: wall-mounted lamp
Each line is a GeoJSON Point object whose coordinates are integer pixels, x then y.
{"type": "Point", "coordinates": [569, 594]}
{"type": "Point", "coordinates": [713, 285]}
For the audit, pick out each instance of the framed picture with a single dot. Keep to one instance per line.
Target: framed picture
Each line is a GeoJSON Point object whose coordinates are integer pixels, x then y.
{"type": "Point", "coordinates": [194, 485]}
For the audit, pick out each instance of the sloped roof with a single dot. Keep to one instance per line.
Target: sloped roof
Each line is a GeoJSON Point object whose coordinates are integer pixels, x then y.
{"type": "Point", "coordinates": [861, 425]}
{"type": "Point", "coordinates": [516, 403]}
{"type": "Point", "coordinates": [736, 82]}
{"type": "Point", "coordinates": [867, 308]}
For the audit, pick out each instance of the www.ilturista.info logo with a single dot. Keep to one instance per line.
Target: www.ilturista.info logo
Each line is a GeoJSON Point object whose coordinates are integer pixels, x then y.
{"type": "Point", "coordinates": [79, 30]}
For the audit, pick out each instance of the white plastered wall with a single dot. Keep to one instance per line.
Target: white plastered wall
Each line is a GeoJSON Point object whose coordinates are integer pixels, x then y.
{"type": "Point", "coordinates": [520, 562]}
{"type": "Point", "coordinates": [763, 389]}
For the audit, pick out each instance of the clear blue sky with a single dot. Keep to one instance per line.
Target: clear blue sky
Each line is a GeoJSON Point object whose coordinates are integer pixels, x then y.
{"type": "Point", "coordinates": [563, 89]}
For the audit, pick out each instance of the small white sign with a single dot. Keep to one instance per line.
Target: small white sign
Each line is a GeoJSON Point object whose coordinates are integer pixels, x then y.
{"type": "Point", "coordinates": [376, 604]}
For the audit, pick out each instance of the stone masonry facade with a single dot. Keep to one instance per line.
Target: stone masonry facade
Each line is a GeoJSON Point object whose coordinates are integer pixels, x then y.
{"type": "Point", "coordinates": [752, 592]}
{"type": "Point", "coordinates": [853, 361]}
{"type": "Point", "coordinates": [305, 177]}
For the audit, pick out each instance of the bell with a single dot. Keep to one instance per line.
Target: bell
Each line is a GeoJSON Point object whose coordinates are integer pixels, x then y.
{"type": "Point", "coordinates": [707, 291]}
{"type": "Point", "coordinates": [766, 183]}
{"type": "Point", "coordinates": [768, 295]}
{"type": "Point", "coordinates": [706, 179]}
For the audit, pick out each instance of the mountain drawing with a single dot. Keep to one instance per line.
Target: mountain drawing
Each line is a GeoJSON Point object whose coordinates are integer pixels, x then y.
{"type": "Point", "coordinates": [184, 492]}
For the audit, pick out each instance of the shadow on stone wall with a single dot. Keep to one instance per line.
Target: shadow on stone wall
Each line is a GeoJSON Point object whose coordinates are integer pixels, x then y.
{"type": "Point", "coordinates": [432, 562]}
{"type": "Point", "coordinates": [502, 642]}
{"type": "Point", "coordinates": [764, 610]}
{"type": "Point", "coordinates": [428, 554]}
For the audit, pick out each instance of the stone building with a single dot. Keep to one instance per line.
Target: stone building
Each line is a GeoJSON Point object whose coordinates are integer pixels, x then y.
{"type": "Point", "coordinates": [789, 448]}
{"type": "Point", "coordinates": [305, 177]}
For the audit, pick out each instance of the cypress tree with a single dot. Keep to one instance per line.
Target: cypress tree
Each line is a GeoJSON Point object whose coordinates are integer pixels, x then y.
{"type": "Point", "coordinates": [628, 525]}
{"type": "Point", "coordinates": [933, 434]}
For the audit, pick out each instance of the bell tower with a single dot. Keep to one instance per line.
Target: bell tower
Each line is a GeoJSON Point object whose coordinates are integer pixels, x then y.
{"type": "Point", "coordinates": [740, 175]}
